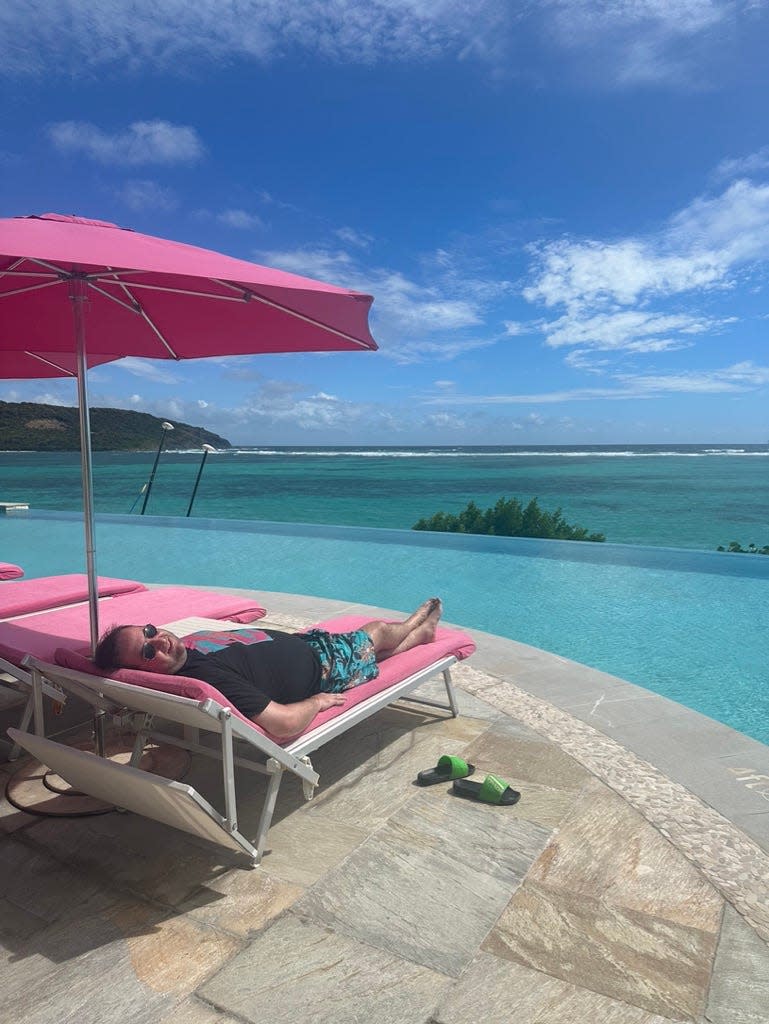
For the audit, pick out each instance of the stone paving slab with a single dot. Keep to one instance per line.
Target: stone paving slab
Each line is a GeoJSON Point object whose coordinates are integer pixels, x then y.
{"type": "Point", "coordinates": [492, 991]}
{"type": "Point", "coordinates": [36, 890]}
{"type": "Point", "coordinates": [131, 962]}
{"type": "Point", "coordinates": [431, 882]}
{"type": "Point", "coordinates": [739, 993]}
{"type": "Point", "coordinates": [296, 972]}
{"type": "Point", "coordinates": [195, 1011]}
{"type": "Point", "coordinates": [632, 957]}
{"type": "Point", "coordinates": [643, 872]}
{"type": "Point", "coordinates": [504, 750]}
{"type": "Point", "coordinates": [240, 902]}
{"type": "Point", "coordinates": [368, 773]}
{"type": "Point", "coordinates": [129, 853]}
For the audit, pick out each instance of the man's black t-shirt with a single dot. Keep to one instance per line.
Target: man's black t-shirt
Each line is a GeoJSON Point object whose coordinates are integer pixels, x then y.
{"type": "Point", "coordinates": [284, 669]}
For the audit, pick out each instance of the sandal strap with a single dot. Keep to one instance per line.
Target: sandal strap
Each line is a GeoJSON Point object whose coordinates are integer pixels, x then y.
{"type": "Point", "coordinates": [454, 767]}
{"type": "Point", "coordinates": [492, 789]}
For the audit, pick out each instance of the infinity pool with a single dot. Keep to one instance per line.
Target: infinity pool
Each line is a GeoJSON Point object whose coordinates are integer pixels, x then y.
{"type": "Point", "coordinates": [690, 625]}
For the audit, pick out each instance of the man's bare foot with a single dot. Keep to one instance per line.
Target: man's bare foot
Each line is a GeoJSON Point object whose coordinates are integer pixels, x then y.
{"type": "Point", "coordinates": [421, 614]}
{"type": "Point", "coordinates": [425, 632]}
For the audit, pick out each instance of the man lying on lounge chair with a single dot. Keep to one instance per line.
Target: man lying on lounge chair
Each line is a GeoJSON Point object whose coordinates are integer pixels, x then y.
{"type": "Point", "coordinates": [281, 684]}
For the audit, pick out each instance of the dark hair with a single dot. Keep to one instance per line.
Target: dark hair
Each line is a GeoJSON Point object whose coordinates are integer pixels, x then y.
{"type": "Point", "coordinates": [106, 654]}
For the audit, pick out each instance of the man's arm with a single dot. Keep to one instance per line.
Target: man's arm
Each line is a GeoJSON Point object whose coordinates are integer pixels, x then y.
{"type": "Point", "coordinates": [284, 720]}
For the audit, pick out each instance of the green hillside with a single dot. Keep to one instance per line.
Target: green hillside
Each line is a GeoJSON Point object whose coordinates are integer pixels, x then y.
{"type": "Point", "coordinates": [27, 426]}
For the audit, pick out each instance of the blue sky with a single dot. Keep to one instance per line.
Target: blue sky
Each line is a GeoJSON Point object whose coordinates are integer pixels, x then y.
{"type": "Point", "coordinates": [561, 207]}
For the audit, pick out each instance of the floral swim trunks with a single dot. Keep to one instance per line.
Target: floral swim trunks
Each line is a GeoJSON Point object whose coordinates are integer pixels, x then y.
{"type": "Point", "coordinates": [346, 659]}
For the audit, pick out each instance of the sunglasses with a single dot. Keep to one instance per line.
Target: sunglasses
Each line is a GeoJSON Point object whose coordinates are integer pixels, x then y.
{"type": "Point", "coordinates": [148, 651]}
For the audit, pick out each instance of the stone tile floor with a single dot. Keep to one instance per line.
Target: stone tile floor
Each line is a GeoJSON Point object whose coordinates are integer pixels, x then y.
{"type": "Point", "coordinates": [608, 894]}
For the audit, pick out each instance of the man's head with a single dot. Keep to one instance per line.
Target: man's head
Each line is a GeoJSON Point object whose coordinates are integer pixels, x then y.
{"type": "Point", "coordinates": [144, 647]}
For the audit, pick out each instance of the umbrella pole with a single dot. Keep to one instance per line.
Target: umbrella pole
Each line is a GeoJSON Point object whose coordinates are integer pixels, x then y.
{"type": "Point", "coordinates": [78, 297]}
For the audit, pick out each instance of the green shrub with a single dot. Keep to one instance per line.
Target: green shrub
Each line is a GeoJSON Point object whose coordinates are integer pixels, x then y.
{"type": "Point", "coordinates": [736, 548]}
{"type": "Point", "coordinates": [508, 518]}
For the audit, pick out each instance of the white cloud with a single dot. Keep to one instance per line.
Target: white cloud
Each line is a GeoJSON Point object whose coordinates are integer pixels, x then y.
{"type": "Point", "coordinates": [629, 330]}
{"type": "Point", "coordinates": [445, 421]}
{"type": "Point", "coordinates": [171, 35]}
{"type": "Point", "coordinates": [352, 237]}
{"type": "Point", "coordinates": [240, 219]}
{"type": "Point", "coordinates": [142, 194]}
{"type": "Point", "coordinates": [640, 41]}
{"type": "Point", "coordinates": [704, 247]}
{"type": "Point", "coordinates": [626, 41]}
{"type": "Point", "coordinates": [744, 166]}
{"type": "Point", "coordinates": [736, 379]}
{"type": "Point", "coordinates": [50, 398]}
{"type": "Point", "coordinates": [143, 142]}
{"type": "Point", "coordinates": [156, 370]}
{"type": "Point", "coordinates": [411, 321]}
{"type": "Point", "coordinates": [578, 274]}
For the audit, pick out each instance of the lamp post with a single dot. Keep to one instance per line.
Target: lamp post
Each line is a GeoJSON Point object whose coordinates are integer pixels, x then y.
{"type": "Point", "coordinates": [206, 449]}
{"type": "Point", "coordinates": [166, 427]}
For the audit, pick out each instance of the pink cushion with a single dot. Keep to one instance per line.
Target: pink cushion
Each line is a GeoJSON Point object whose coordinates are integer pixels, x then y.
{"type": "Point", "coordinates": [9, 571]}
{"type": "Point", "coordinates": [45, 592]}
{"type": "Point", "coordinates": [69, 627]}
{"type": "Point", "coordinates": [392, 670]}
{"type": "Point", "coordinates": [395, 669]}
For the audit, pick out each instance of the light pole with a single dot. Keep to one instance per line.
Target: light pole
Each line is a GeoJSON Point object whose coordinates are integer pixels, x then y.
{"type": "Point", "coordinates": [206, 449]}
{"type": "Point", "coordinates": [166, 427]}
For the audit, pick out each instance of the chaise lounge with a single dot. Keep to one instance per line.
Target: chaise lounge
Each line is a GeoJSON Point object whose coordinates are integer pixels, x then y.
{"type": "Point", "coordinates": [196, 706]}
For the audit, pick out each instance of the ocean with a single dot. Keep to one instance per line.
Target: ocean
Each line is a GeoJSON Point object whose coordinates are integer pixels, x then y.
{"type": "Point", "coordinates": [691, 496]}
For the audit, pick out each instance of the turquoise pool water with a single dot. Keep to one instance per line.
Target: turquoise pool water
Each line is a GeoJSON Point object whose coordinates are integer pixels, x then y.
{"type": "Point", "coordinates": [690, 625]}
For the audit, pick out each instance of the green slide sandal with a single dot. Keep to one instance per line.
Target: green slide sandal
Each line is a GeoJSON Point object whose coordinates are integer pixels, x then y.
{"type": "Point", "coordinates": [447, 768]}
{"type": "Point", "coordinates": [492, 790]}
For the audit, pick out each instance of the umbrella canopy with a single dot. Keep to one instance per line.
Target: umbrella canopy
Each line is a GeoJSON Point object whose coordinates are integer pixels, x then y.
{"type": "Point", "coordinates": [159, 299]}
{"type": "Point", "coordinates": [64, 277]}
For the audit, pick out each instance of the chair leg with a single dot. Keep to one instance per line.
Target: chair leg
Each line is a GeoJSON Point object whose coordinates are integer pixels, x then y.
{"type": "Point", "coordinates": [139, 742]}
{"type": "Point", "coordinates": [26, 718]}
{"type": "Point", "coordinates": [265, 820]}
{"type": "Point", "coordinates": [450, 693]}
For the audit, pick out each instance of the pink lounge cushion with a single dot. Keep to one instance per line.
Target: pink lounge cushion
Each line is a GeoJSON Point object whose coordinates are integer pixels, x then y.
{"type": "Point", "coordinates": [392, 670]}
{"type": "Point", "coordinates": [396, 669]}
{"type": "Point", "coordinates": [9, 571]}
{"type": "Point", "coordinates": [36, 595]}
{"type": "Point", "coordinates": [69, 627]}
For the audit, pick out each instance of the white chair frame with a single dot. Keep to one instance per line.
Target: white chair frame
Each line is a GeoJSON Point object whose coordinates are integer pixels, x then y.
{"type": "Point", "coordinates": [123, 699]}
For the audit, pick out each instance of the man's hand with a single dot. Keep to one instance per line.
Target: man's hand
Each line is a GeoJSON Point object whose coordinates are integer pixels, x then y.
{"type": "Point", "coordinates": [285, 720]}
{"type": "Point", "coordinates": [329, 700]}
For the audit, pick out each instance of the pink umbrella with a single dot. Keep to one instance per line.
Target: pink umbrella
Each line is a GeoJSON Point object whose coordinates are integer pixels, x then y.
{"type": "Point", "coordinates": [146, 296]}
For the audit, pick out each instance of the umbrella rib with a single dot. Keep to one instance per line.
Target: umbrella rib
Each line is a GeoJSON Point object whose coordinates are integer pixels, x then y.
{"type": "Point", "coordinates": [12, 272]}
{"type": "Point", "coordinates": [259, 298]}
{"type": "Point", "coordinates": [31, 288]}
{"type": "Point", "coordinates": [147, 319]}
{"type": "Point", "coordinates": [50, 362]}
{"type": "Point", "coordinates": [13, 266]}
{"type": "Point", "coordinates": [132, 307]}
{"type": "Point", "coordinates": [48, 266]}
{"type": "Point", "coordinates": [247, 294]}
